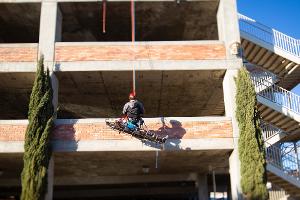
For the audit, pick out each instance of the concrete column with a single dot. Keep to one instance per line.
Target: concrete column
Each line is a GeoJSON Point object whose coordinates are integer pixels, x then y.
{"type": "Point", "coordinates": [49, 194]}
{"type": "Point", "coordinates": [50, 31]}
{"type": "Point", "coordinates": [228, 28]}
{"type": "Point", "coordinates": [201, 183]}
{"type": "Point", "coordinates": [55, 87]}
{"type": "Point", "coordinates": [229, 90]}
{"type": "Point", "coordinates": [58, 31]}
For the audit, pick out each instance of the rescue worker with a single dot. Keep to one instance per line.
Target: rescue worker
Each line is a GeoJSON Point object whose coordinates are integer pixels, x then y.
{"type": "Point", "coordinates": [134, 110]}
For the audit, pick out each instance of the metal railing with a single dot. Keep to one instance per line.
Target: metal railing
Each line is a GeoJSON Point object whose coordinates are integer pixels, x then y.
{"type": "Point", "coordinates": [276, 94]}
{"type": "Point", "coordinates": [269, 130]}
{"type": "Point", "coordinates": [269, 35]}
{"type": "Point", "coordinates": [258, 73]}
{"type": "Point", "coordinates": [277, 193]}
{"type": "Point", "coordinates": [260, 83]}
{"type": "Point", "coordinates": [288, 163]}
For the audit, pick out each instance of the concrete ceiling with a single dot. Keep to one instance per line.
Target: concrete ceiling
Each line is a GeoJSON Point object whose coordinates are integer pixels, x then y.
{"type": "Point", "coordinates": [15, 90]}
{"type": "Point", "coordinates": [103, 94]}
{"type": "Point", "coordinates": [164, 93]}
{"type": "Point", "coordinates": [82, 21]}
{"type": "Point", "coordinates": [79, 168]}
{"type": "Point", "coordinates": [19, 22]}
{"type": "Point", "coordinates": [106, 174]}
{"type": "Point", "coordinates": [93, 164]}
{"type": "Point", "coordinates": [155, 21]}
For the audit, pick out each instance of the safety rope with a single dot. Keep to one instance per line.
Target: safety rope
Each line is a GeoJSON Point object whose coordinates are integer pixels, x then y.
{"type": "Point", "coordinates": [132, 11]}
{"type": "Point", "coordinates": [133, 44]}
{"type": "Point", "coordinates": [104, 16]}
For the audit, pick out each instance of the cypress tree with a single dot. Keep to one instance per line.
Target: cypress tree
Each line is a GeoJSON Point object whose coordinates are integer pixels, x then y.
{"type": "Point", "coordinates": [251, 146]}
{"type": "Point", "coordinates": [37, 150]}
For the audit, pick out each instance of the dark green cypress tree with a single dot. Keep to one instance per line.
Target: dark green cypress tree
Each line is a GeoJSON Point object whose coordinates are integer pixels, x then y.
{"type": "Point", "coordinates": [251, 146]}
{"type": "Point", "coordinates": [37, 150]}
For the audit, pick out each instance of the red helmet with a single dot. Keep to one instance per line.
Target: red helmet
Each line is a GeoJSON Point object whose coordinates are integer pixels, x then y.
{"type": "Point", "coordinates": [132, 95]}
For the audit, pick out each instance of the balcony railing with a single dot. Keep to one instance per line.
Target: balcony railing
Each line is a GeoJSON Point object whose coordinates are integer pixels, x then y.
{"type": "Point", "coordinates": [276, 94]}
{"type": "Point", "coordinates": [258, 73]}
{"type": "Point", "coordinates": [269, 35]}
{"type": "Point", "coordinates": [287, 163]}
{"type": "Point", "coordinates": [269, 130]}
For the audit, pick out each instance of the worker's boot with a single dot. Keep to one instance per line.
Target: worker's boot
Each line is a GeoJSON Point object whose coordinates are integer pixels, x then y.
{"type": "Point", "coordinates": [164, 139]}
{"type": "Point", "coordinates": [150, 133]}
{"type": "Point", "coordinates": [127, 130]}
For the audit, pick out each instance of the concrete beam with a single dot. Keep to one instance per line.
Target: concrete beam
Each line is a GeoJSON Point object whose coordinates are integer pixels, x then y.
{"type": "Point", "coordinates": [12, 147]}
{"type": "Point", "coordinates": [137, 145]}
{"type": "Point", "coordinates": [146, 65]}
{"type": "Point", "coordinates": [128, 191]}
{"type": "Point", "coordinates": [34, 1]}
{"type": "Point", "coordinates": [127, 145]}
{"type": "Point", "coordinates": [71, 180]}
{"type": "Point", "coordinates": [107, 180]}
{"type": "Point", "coordinates": [18, 66]}
{"type": "Point", "coordinates": [139, 43]}
{"type": "Point", "coordinates": [18, 45]}
{"type": "Point", "coordinates": [135, 0]}
{"type": "Point", "coordinates": [148, 120]}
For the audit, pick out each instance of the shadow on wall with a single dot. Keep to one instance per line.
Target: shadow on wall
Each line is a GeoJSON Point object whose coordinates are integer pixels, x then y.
{"type": "Point", "coordinates": [64, 138]}
{"type": "Point", "coordinates": [174, 131]}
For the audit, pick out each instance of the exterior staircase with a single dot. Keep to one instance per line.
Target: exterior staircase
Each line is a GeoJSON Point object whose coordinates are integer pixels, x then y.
{"type": "Point", "coordinates": [279, 107]}
{"type": "Point", "coordinates": [273, 60]}
{"type": "Point", "coordinates": [271, 133]}
{"type": "Point", "coordinates": [283, 171]}
{"type": "Point", "coordinates": [271, 50]}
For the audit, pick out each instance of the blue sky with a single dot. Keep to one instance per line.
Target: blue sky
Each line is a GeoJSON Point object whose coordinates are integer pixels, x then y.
{"type": "Point", "coordinates": [282, 15]}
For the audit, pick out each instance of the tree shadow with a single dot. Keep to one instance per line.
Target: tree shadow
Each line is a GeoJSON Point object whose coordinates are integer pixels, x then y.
{"type": "Point", "coordinates": [63, 136]}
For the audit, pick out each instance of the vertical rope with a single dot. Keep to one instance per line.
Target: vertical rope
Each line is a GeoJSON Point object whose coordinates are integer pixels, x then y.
{"type": "Point", "coordinates": [214, 184]}
{"type": "Point", "coordinates": [156, 160]}
{"type": "Point", "coordinates": [133, 43]}
{"type": "Point", "coordinates": [132, 21]}
{"type": "Point", "coordinates": [104, 16]}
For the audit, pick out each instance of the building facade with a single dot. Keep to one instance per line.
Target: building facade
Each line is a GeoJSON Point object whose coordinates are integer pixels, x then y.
{"type": "Point", "coordinates": [185, 58]}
